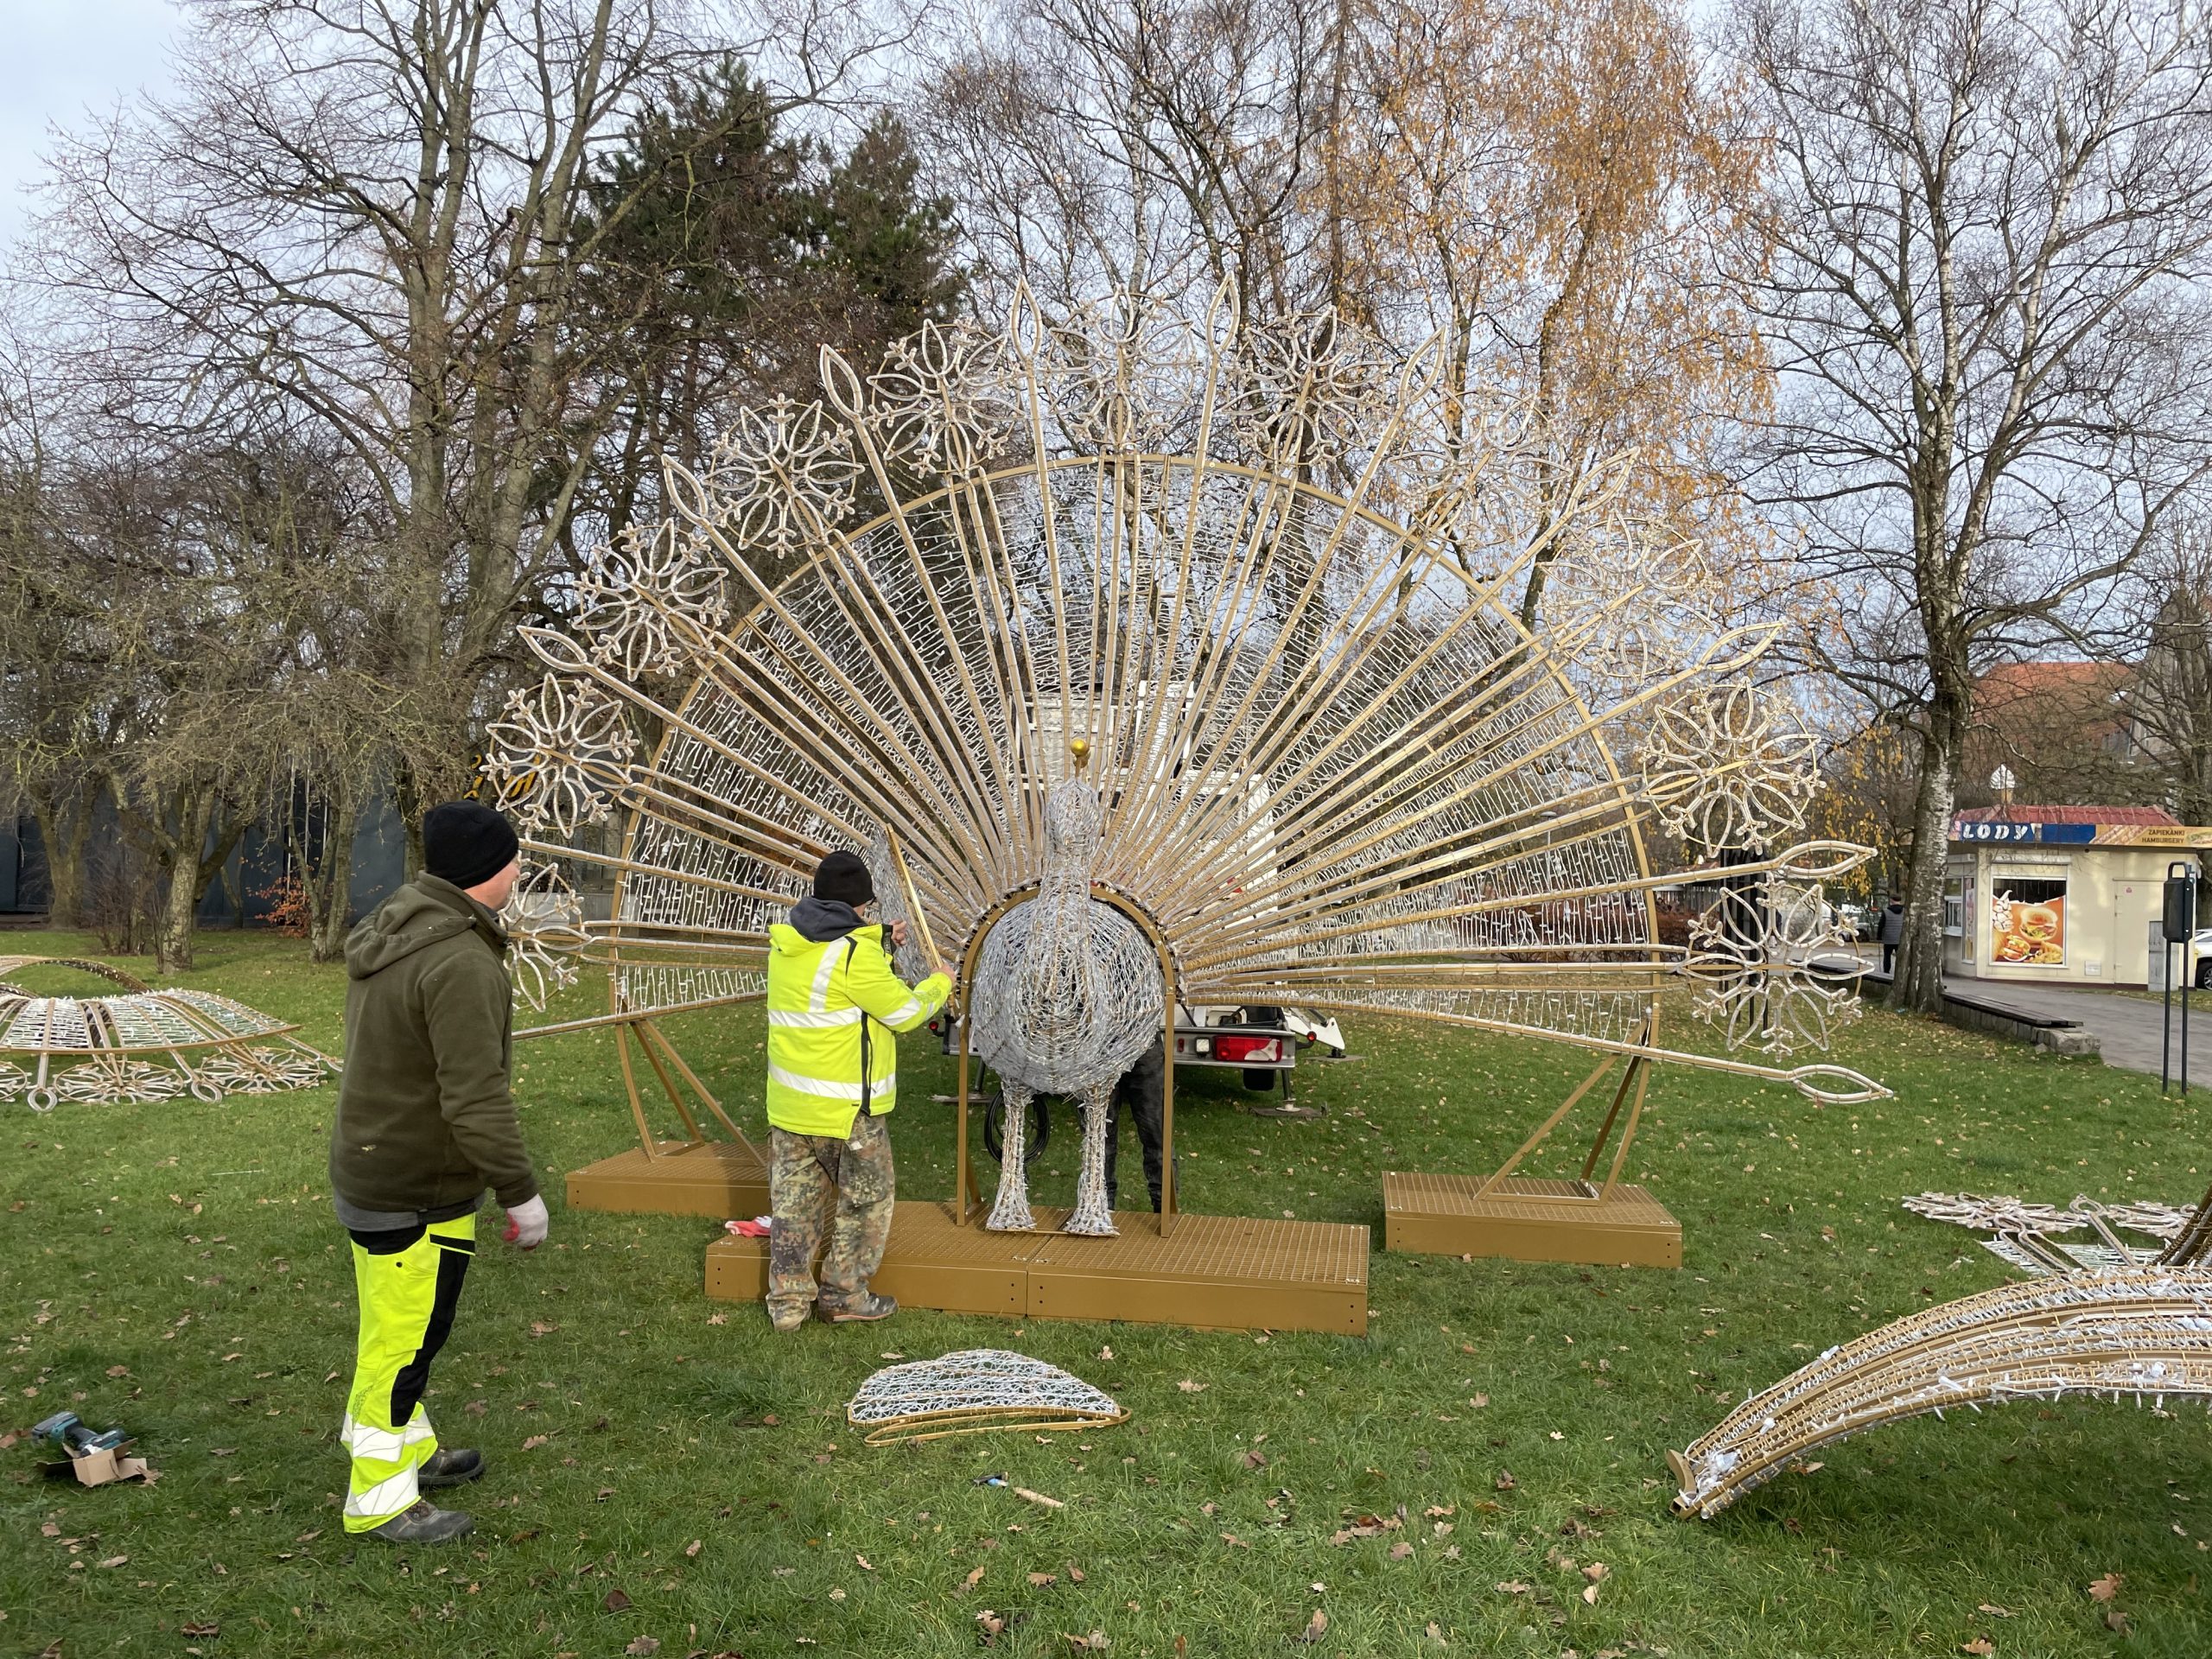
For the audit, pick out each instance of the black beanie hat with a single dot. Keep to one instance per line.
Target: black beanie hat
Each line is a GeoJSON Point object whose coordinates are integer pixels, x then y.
{"type": "Point", "coordinates": [465, 842]}
{"type": "Point", "coordinates": [844, 877]}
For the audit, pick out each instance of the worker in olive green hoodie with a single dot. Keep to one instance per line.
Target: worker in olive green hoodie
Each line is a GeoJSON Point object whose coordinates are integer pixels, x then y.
{"type": "Point", "coordinates": [425, 1124]}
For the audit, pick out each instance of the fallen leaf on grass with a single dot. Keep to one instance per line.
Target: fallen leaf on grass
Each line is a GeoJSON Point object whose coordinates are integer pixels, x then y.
{"type": "Point", "coordinates": [1513, 1588]}
{"type": "Point", "coordinates": [1095, 1642]}
{"type": "Point", "coordinates": [1399, 1550]}
{"type": "Point", "coordinates": [969, 1582]}
{"type": "Point", "coordinates": [1504, 1483]}
{"type": "Point", "coordinates": [1435, 1510]}
{"type": "Point", "coordinates": [1982, 1646]}
{"type": "Point", "coordinates": [717, 1318]}
{"type": "Point", "coordinates": [535, 1442]}
{"type": "Point", "coordinates": [1479, 1401]}
{"type": "Point", "coordinates": [643, 1648]}
{"type": "Point", "coordinates": [1256, 1459]}
{"type": "Point", "coordinates": [1596, 1571]}
{"type": "Point", "coordinates": [616, 1602]}
{"type": "Point", "coordinates": [115, 1560]}
{"type": "Point", "coordinates": [1189, 1386]}
{"type": "Point", "coordinates": [1075, 1574]}
{"type": "Point", "coordinates": [865, 1565]}
{"type": "Point", "coordinates": [694, 1547]}
{"type": "Point", "coordinates": [1316, 1628]}
{"type": "Point", "coordinates": [1590, 1594]}
{"type": "Point", "coordinates": [991, 1624]}
{"type": "Point", "coordinates": [1435, 1633]}
{"type": "Point", "coordinates": [1234, 1542]}
{"type": "Point", "coordinates": [542, 1327]}
{"type": "Point", "coordinates": [476, 1407]}
{"type": "Point", "coordinates": [837, 1593]}
{"type": "Point", "coordinates": [2107, 1587]}
{"type": "Point", "coordinates": [1993, 1611]}
{"type": "Point", "coordinates": [782, 1571]}
{"type": "Point", "coordinates": [2115, 1620]}
{"type": "Point", "coordinates": [1039, 1580]}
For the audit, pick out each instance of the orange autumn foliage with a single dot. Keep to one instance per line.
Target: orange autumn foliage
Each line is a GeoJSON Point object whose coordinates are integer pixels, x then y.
{"type": "Point", "coordinates": [1558, 191]}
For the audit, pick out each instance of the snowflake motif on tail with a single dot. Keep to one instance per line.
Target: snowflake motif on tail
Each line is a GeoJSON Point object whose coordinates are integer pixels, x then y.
{"type": "Point", "coordinates": [1731, 767]}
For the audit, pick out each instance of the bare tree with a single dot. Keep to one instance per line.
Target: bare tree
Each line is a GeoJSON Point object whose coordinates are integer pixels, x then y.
{"type": "Point", "coordinates": [377, 211]}
{"type": "Point", "coordinates": [1155, 145]}
{"type": "Point", "coordinates": [1991, 219]}
{"type": "Point", "coordinates": [2170, 700]}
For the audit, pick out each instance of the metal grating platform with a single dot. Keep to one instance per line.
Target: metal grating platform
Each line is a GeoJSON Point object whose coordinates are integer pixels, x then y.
{"type": "Point", "coordinates": [719, 1179]}
{"type": "Point", "coordinates": [1210, 1272]}
{"type": "Point", "coordinates": [1528, 1219]}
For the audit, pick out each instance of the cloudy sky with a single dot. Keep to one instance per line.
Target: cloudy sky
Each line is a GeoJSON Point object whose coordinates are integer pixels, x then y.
{"type": "Point", "coordinates": [70, 56]}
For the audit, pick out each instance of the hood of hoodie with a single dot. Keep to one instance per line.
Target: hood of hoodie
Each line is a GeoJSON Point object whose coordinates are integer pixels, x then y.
{"type": "Point", "coordinates": [818, 920]}
{"type": "Point", "coordinates": [425, 911]}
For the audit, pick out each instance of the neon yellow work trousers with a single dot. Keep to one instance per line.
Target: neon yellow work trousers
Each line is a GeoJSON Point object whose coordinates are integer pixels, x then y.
{"type": "Point", "coordinates": [409, 1283]}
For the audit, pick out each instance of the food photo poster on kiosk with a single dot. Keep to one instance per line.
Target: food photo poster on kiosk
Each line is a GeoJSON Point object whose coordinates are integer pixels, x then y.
{"type": "Point", "coordinates": [2027, 922]}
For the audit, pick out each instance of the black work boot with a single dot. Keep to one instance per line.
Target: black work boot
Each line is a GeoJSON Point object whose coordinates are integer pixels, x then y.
{"type": "Point", "coordinates": [423, 1523]}
{"type": "Point", "coordinates": [450, 1465]}
{"type": "Point", "coordinates": [864, 1309]}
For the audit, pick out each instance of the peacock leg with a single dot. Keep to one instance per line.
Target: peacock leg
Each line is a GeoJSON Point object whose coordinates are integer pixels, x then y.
{"type": "Point", "coordinates": [1090, 1216]}
{"type": "Point", "coordinates": [1010, 1209]}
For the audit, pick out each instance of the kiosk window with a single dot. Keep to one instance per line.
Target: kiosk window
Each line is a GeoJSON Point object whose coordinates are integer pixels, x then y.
{"type": "Point", "coordinates": [2027, 922]}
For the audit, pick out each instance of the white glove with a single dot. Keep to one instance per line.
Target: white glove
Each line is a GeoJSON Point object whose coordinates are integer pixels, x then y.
{"type": "Point", "coordinates": [527, 1224]}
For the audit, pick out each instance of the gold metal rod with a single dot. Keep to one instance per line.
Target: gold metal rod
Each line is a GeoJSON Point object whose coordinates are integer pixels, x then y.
{"type": "Point", "coordinates": [631, 1016]}
{"type": "Point", "coordinates": [1544, 1128]}
{"type": "Point", "coordinates": [668, 1084]}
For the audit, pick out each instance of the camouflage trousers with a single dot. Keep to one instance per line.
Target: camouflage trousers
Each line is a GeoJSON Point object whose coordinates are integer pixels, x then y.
{"type": "Point", "coordinates": [825, 1183]}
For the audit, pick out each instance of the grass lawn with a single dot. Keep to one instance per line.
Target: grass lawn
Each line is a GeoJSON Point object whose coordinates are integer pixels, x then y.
{"type": "Point", "coordinates": [174, 1268]}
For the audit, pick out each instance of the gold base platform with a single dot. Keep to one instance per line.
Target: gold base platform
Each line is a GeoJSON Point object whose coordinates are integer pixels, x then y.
{"type": "Point", "coordinates": [1210, 1272]}
{"type": "Point", "coordinates": [723, 1180]}
{"type": "Point", "coordinates": [1527, 1219]}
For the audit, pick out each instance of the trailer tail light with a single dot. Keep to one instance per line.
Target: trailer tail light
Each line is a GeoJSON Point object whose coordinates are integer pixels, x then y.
{"type": "Point", "coordinates": [1250, 1050]}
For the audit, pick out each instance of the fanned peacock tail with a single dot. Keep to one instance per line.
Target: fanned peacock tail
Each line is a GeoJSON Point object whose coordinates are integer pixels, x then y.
{"type": "Point", "coordinates": [1269, 578]}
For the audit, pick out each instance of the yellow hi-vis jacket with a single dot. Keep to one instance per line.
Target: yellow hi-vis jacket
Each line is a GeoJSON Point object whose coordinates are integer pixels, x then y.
{"type": "Point", "coordinates": [833, 1007]}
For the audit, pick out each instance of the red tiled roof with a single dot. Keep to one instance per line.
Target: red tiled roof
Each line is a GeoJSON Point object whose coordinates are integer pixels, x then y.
{"type": "Point", "coordinates": [2146, 815]}
{"type": "Point", "coordinates": [2007, 680]}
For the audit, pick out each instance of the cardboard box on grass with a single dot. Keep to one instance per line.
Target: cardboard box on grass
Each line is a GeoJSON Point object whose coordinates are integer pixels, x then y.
{"type": "Point", "coordinates": [110, 1463]}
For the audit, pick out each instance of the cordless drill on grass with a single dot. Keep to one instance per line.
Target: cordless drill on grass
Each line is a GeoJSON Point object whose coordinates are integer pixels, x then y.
{"type": "Point", "coordinates": [75, 1437]}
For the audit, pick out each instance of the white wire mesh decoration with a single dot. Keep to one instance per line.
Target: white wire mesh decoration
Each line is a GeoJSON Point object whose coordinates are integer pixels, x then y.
{"type": "Point", "coordinates": [972, 1391]}
{"type": "Point", "coordinates": [2026, 1234]}
{"type": "Point", "coordinates": [1331, 768]}
{"type": "Point", "coordinates": [136, 1045]}
{"type": "Point", "coordinates": [2116, 1326]}
{"type": "Point", "coordinates": [2142, 1332]}
{"type": "Point", "coordinates": [1067, 996]}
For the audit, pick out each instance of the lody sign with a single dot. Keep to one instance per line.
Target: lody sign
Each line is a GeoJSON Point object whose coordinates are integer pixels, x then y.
{"type": "Point", "coordinates": [1987, 830]}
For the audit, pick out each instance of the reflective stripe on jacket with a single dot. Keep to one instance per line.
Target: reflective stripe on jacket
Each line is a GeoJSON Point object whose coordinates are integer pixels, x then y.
{"type": "Point", "coordinates": [832, 1002]}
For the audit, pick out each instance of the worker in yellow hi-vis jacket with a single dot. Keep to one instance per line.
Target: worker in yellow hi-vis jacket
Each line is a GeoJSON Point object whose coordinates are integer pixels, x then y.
{"type": "Point", "coordinates": [835, 1008]}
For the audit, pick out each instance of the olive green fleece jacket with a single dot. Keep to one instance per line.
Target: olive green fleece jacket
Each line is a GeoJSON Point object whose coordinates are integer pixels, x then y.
{"type": "Point", "coordinates": [425, 1120]}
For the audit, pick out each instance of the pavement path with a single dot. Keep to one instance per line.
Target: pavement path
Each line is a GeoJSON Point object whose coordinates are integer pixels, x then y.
{"type": "Point", "coordinates": [2127, 1027]}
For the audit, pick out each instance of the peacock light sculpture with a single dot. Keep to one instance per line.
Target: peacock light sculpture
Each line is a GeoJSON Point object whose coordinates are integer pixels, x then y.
{"type": "Point", "coordinates": [1265, 580]}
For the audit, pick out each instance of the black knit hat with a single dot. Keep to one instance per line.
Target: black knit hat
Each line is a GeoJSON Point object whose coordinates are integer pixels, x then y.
{"type": "Point", "coordinates": [465, 842]}
{"type": "Point", "coordinates": [844, 877]}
